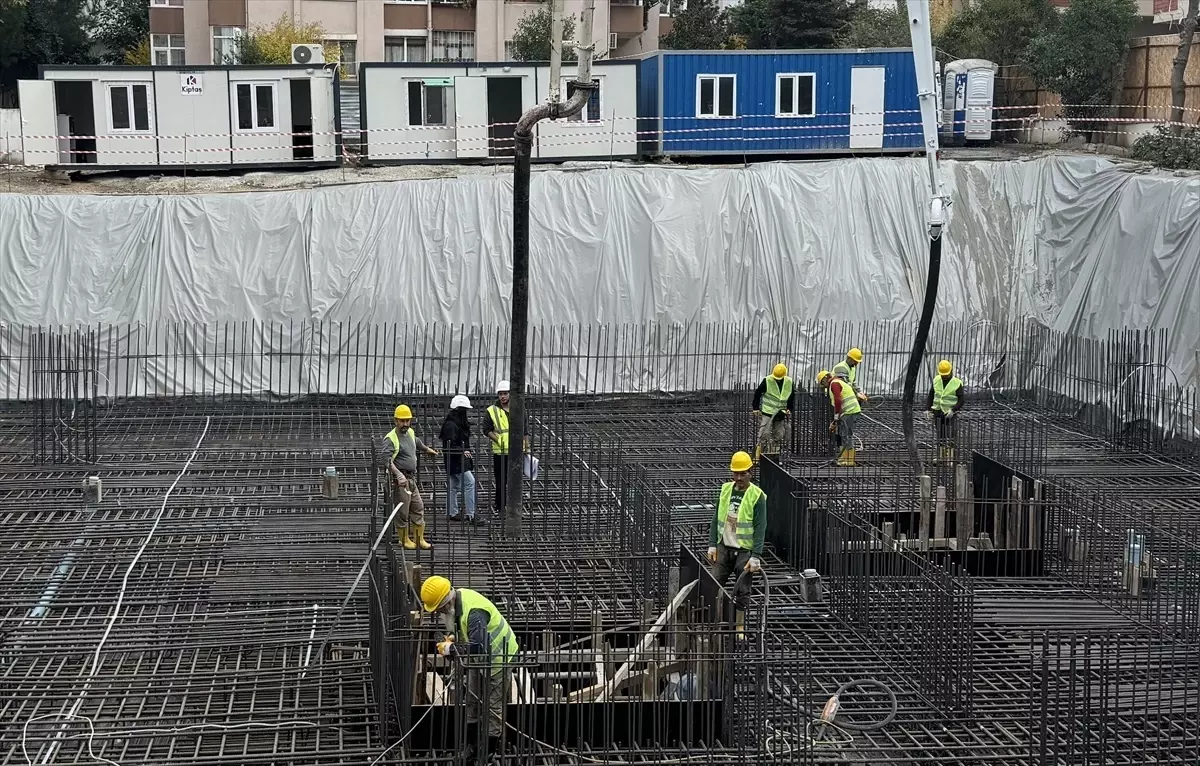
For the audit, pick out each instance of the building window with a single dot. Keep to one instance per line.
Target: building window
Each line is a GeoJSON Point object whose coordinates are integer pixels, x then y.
{"type": "Point", "coordinates": [256, 106]}
{"type": "Point", "coordinates": [170, 3]}
{"type": "Point", "coordinates": [225, 42]}
{"type": "Point", "coordinates": [795, 95]}
{"type": "Point", "coordinates": [166, 50]}
{"type": "Point", "coordinates": [347, 55]}
{"type": "Point", "coordinates": [411, 49]}
{"type": "Point", "coordinates": [129, 108]}
{"type": "Point", "coordinates": [508, 50]}
{"type": "Point", "coordinates": [453, 46]}
{"type": "Point", "coordinates": [426, 104]}
{"type": "Point", "coordinates": [591, 110]}
{"type": "Point", "coordinates": [716, 95]}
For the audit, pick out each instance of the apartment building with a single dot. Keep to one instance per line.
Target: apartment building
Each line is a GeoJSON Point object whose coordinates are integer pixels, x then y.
{"type": "Point", "coordinates": [200, 32]}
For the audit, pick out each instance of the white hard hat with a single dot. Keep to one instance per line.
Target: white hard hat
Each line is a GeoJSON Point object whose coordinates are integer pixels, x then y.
{"type": "Point", "coordinates": [460, 401]}
{"type": "Point", "coordinates": [502, 387]}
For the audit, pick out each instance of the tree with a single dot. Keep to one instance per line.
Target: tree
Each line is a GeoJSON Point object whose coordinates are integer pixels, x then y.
{"type": "Point", "coordinates": [702, 26]}
{"type": "Point", "coordinates": [789, 24]}
{"type": "Point", "coordinates": [1083, 58]}
{"type": "Point", "coordinates": [273, 44]}
{"type": "Point", "coordinates": [119, 26]}
{"type": "Point", "coordinates": [1187, 31]}
{"type": "Point", "coordinates": [139, 55]}
{"type": "Point", "coordinates": [869, 27]}
{"type": "Point", "coordinates": [35, 32]}
{"type": "Point", "coordinates": [531, 38]}
{"type": "Point", "coordinates": [997, 30]}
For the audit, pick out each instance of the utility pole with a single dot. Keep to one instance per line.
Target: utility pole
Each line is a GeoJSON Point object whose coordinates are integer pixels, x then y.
{"type": "Point", "coordinates": [551, 110]}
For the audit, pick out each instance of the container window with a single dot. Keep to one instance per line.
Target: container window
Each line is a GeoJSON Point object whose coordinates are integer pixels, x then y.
{"type": "Point", "coordinates": [426, 104]}
{"type": "Point", "coordinates": [716, 96]}
{"type": "Point", "coordinates": [129, 108]}
{"type": "Point", "coordinates": [795, 95]}
{"type": "Point", "coordinates": [255, 106]}
{"type": "Point", "coordinates": [591, 110]}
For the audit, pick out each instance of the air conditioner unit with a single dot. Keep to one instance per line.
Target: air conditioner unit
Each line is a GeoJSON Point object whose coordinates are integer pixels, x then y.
{"type": "Point", "coordinates": [612, 41]}
{"type": "Point", "coordinates": [308, 54]}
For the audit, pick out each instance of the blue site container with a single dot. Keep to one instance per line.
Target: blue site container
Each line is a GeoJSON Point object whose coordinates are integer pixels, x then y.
{"type": "Point", "coordinates": [778, 102]}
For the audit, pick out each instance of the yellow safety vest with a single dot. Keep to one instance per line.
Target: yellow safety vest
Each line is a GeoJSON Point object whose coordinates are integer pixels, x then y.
{"type": "Point", "coordinates": [500, 428]}
{"type": "Point", "coordinates": [844, 371]}
{"type": "Point", "coordinates": [409, 438]}
{"type": "Point", "coordinates": [502, 644]}
{"type": "Point", "coordinates": [850, 405]}
{"type": "Point", "coordinates": [775, 400]}
{"type": "Point", "coordinates": [745, 517]}
{"type": "Point", "coordinates": [945, 394]}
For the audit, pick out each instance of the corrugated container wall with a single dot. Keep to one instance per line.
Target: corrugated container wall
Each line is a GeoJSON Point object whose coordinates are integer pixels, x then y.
{"type": "Point", "coordinates": [787, 101]}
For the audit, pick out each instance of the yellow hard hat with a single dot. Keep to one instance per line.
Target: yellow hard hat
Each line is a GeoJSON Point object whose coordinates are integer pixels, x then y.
{"type": "Point", "coordinates": [822, 375]}
{"type": "Point", "coordinates": [433, 592]}
{"type": "Point", "coordinates": [741, 462]}
{"type": "Point", "coordinates": [403, 412]}
{"type": "Point", "coordinates": [944, 367]}
{"type": "Point", "coordinates": [855, 354]}
{"type": "Point", "coordinates": [780, 371]}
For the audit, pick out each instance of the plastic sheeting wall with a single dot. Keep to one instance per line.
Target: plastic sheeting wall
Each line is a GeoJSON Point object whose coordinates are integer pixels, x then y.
{"type": "Point", "coordinates": [1075, 242]}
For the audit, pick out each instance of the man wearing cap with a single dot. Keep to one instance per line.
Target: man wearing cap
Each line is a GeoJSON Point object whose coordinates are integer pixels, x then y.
{"type": "Point", "coordinates": [773, 402]}
{"type": "Point", "coordinates": [737, 532]}
{"type": "Point", "coordinates": [400, 446]}
{"type": "Point", "coordinates": [495, 426]}
{"type": "Point", "coordinates": [946, 398]}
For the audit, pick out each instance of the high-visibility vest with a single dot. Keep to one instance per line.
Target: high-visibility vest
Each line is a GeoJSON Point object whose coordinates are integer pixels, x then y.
{"type": "Point", "coordinates": [745, 514]}
{"type": "Point", "coordinates": [502, 644]}
{"type": "Point", "coordinates": [844, 371]}
{"type": "Point", "coordinates": [945, 393]}
{"type": "Point", "coordinates": [850, 405]}
{"type": "Point", "coordinates": [778, 392]}
{"type": "Point", "coordinates": [408, 436]}
{"type": "Point", "coordinates": [500, 428]}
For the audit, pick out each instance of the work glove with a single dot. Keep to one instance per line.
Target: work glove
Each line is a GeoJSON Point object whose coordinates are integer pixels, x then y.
{"type": "Point", "coordinates": [446, 647]}
{"type": "Point", "coordinates": [753, 565]}
{"type": "Point", "coordinates": [712, 554]}
{"type": "Point", "coordinates": [833, 426]}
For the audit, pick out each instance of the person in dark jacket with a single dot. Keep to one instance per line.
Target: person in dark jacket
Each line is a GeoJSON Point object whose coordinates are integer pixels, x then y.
{"type": "Point", "coordinates": [460, 462]}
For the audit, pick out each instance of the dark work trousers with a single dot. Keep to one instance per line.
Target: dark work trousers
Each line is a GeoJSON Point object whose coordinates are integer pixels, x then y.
{"type": "Point", "coordinates": [500, 480]}
{"type": "Point", "coordinates": [947, 430]}
{"type": "Point", "coordinates": [731, 561]}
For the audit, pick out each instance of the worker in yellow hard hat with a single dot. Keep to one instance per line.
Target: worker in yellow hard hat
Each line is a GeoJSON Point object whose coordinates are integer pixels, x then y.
{"type": "Point", "coordinates": [847, 370]}
{"type": "Point", "coordinates": [846, 410]}
{"type": "Point", "coordinates": [737, 532]}
{"type": "Point", "coordinates": [946, 399]}
{"type": "Point", "coordinates": [489, 640]}
{"type": "Point", "coordinates": [400, 447]}
{"type": "Point", "coordinates": [772, 405]}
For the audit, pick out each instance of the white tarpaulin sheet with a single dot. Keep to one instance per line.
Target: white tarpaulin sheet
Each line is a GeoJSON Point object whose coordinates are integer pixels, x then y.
{"type": "Point", "coordinates": [1076, 243]}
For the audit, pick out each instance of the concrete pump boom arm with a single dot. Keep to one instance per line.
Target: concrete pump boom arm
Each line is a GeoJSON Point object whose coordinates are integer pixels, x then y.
{"type": "Point", "coordinates": [922, 48]}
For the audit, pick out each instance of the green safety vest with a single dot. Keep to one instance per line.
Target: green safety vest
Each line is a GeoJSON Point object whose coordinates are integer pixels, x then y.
{"type": "Point", "coordinates": [409, 437]}
{"type": "Point", "coordinates": [850, 405]}
{"type": "Point", "coordinates": [775, 400]}
{"type": "Point", "coordinates": [844, 371]}
{"type": "Point", "coordinates": [500, 428]}
{"type": "Point", "coordinates": [945, 393]}
{"type": "Point", "coordinates": [745, 517]}
{"type": "Point", "coordinates": [502, 644]}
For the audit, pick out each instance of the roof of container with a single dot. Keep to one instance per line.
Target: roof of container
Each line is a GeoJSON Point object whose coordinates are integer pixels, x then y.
{"type": "Point", "coordinates": [43, 68]}
{"type": "Point", "coordinates": [761, 52]}
{"type": "Point", "coordinates": [568, 66]}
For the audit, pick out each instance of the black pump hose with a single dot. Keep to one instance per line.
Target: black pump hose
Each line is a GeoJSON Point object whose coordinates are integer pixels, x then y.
{"type": "Point", "coordinates": [918, 350]}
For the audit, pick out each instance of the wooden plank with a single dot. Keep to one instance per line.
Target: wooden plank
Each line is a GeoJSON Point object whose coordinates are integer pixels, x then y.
{"type": "Point", "coordinates": [964, 514]}
{"type": "Point", "coordinates": [939, 514]}
{"type": "Point", "coordinates": [926, 502]}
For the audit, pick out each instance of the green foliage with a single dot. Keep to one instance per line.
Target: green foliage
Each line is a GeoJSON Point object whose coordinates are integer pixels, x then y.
{"type": "Point", "coordinates": [139, 55]}
{"type": "Point", "coordinates": [703, 26]}
{"type": "Point", "coordinates": [1083, 58]}
{"type": "Point", "coordinates": [35, 32]}
{"type": "Point", "coordinates": [273, 44]}
{"type": "Point", "coordinates": [119, 26]}
{"type": "Point", "coordinates": [1166, 150]}
{"type": "Point", "coordinates": [531, 39]}
{"type": "Point", "coordinates": [997, 30]}
{"type": "Point", "coordinates": [789, 24]}
{"type": "Point", "coordinates": [869, 27]}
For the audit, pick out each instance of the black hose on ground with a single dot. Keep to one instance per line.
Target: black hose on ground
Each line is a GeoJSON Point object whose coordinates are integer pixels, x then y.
{"type": "Point", "coordinates": [918, 351]}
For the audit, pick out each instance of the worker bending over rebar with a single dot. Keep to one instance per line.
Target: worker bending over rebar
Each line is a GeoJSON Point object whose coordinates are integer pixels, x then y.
{"type": "Point", "coordinates": [490, 642]}
{"type": "Point", "coordinates": [946, 398]}
{"type": "Point", "coordinates": [846, 409]}
{"type": "Point", "coordinates": [773, 401]}
{"type": "Point", "coordinates": [402, 464]}
{"type": "Point", "coordinates": [737, 533]}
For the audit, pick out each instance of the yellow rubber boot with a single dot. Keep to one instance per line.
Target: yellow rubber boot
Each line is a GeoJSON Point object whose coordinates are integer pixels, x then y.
{"type": "Point", "coordinates": [420, 535]}
{"type": "Point", "coordinates": [405, 539]}
{"type": "Point", "coordinates": [853, 456]}
{"type": "Point", "coordinates": [845, 459]}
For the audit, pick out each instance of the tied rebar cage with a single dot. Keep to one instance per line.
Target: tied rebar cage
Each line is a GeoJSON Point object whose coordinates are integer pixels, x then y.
{"type": "Point", "coordinates": [63, 382]}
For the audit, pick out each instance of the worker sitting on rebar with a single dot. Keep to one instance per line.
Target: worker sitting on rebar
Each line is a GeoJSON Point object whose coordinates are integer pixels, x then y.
{"type": "Point", "coordinates": [402, 464]}
{"type": "Point", "coordinates": [846, 410]}
{"type": "Point", "coordinates": [847, 370]}
{"type": "Point", "coordinates": [737, 533]}
{"type": "Point", "coordinates": [489, 638]}
{"type": "Point", "coordinates": [946, 398]}
{"type": "Point", "coordinates": [773, 402]}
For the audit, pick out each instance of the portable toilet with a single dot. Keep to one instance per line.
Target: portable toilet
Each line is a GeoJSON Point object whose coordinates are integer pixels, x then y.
{"type": "Point", "coordinates": [968, 99]}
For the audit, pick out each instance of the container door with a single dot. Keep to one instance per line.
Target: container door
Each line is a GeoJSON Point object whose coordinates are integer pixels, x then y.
{"type": "Point", "coordinates": [470, 116]}
{"type": "Point", "coordinates": [39, 122]}
{"type": "Point", "coordinates": [866, 107]}
{"type": "Point", "coordinates": [979, 105]}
